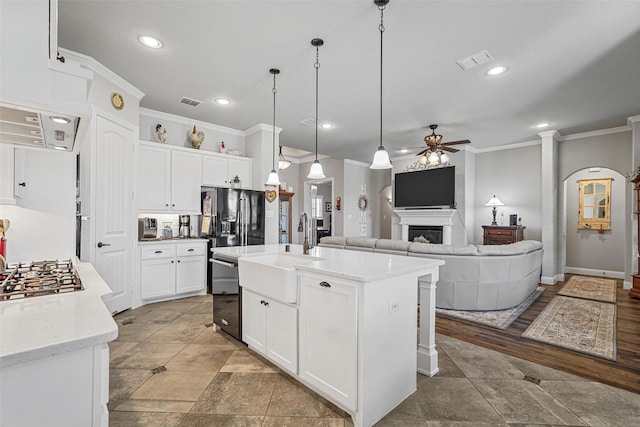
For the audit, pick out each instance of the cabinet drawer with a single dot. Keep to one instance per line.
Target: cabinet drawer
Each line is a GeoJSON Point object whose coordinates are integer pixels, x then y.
{"type": "Point", "coordinates": [153, 252]}
{"type": "Point", "coordinates": [499, 233]}
{"type": "Point", "coordinates": [188, 250]}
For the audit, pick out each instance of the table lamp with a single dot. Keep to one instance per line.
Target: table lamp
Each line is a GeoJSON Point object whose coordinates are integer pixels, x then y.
{"type": "Point", "coordinates": [494, 201]}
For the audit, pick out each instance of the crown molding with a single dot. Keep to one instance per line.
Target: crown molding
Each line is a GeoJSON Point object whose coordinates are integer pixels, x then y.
{"type": "Point", "coordinates": [184, 120]}
{"type": "Point", "coordinates": [600, 132]}
{"type": "Point", "coordinates": [633, 119]}
{"type": "Point", "coordinates": [102, 71]}
{"type": "Point", "coordinates": [508, 146]}
{"type": "Point", "coordinates": [356, 163]}
{"type": "Point", "coordinates": [261, 127]}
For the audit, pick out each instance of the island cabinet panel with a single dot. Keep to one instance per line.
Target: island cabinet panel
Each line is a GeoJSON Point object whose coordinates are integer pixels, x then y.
{"type": "Point", "coordinates": [270, 328]}
{"type": "Point", "coordinates": [329, 337]}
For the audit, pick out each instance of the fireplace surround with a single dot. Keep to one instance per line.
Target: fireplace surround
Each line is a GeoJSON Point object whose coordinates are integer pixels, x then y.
{"type": "Point", "coordinates": [427, 217]}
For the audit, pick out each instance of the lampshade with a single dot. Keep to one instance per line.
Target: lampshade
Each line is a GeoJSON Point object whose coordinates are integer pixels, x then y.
{"type": "Point", "coordinates": [273, 178]}
{"type": "Point", "coordinates": [283, 162]}
{"type": "Point", "coordinates": [444, 158]}
{"type": "Point", "coordinates": [494, 201]}
{"type": "Point", "coordinates": [316, 171]}
{"type": "Point", "coordinates": [381, 159]}
{"type": "Point", "coordinates": [423, 159]}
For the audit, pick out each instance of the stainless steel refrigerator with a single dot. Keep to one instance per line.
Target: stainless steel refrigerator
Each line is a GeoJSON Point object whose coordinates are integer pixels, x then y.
{"type": "Point", "coordinates": [230, 217]}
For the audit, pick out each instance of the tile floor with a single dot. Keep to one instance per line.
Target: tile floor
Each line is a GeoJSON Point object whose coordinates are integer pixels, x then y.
{"type": "Point", "coordinates": [170, 368]}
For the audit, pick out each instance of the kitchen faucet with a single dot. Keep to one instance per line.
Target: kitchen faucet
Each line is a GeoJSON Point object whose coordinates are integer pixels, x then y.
{"type": "Point", "coordinates": [305, 228]}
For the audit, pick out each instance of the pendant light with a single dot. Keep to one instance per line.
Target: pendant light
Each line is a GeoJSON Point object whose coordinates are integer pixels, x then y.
{"type": "Point", "coordinates": [273, 178]}
{"type": "Point", "coordinates": [316, 168]}
{"type": "Point", "coordinates": [283, 162]}
{"type": "Point", "coordinates": [381, 157]}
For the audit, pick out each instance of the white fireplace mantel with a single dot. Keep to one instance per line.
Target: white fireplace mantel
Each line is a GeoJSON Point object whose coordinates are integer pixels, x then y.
{"type": "Point", "coordinates": [427, 217]}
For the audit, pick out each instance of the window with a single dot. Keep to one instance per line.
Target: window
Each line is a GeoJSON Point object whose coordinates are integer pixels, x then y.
{"type": "Point", "coordinates": [316, 207]}
{"type": "Point", "coordinates": [594, 210]}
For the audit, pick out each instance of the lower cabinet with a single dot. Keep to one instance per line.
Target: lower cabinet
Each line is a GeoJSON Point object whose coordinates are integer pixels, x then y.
{"type": "Point", "coordinates": [271, 328]}
{"type": "Point", "coordinates": [328, 337]}
{"type": "Point", "coordinates": [170, 269]}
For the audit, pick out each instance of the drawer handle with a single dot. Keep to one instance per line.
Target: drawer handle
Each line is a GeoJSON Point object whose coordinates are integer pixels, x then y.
{"type": "Point", "coordinates": [191, 250]}
{"type": "Point", "coordinates": [263, 302]}
{"type": "Point", "coordinates": [325, 284]}
{"type": "Point", "coordinates": [157, 252]}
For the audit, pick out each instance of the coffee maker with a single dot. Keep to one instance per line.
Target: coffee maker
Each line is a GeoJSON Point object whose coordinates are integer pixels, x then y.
{"type": "Point", "coordinates": [184, 229]}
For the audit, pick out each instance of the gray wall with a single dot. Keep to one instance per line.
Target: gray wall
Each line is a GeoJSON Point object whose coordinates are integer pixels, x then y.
{"type": "Point", "coordinates": [513, 175]}
{"type": "Point", "coordinates": [588, 249]}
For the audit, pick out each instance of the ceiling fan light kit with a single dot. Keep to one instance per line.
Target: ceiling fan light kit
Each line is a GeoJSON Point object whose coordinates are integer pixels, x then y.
{"type": "Point", "coordinates": [434, 155]}
{"type": "Point", "coordinates": [316, 171]}
{"type": "Point", "coordinates": [273, 179]}
{"type": "Point", "coordinates": [381, 157]}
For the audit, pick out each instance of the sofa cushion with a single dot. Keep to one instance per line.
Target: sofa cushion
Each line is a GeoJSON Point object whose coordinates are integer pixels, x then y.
{"type": "Point", "coordinates": [393, 245]}
{"type": "Point", "coordinates": [362, 242]}
{"type": "Point", "coordinates": [334, 240]}
{"type": "Point", "coordinates": [522, 247]}
{"type": "Point", "coordinates": [432, 248]}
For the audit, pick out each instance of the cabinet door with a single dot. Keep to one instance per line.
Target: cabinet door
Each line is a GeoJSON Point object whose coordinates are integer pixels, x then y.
{"type": "Point", "coordinates": [254, 331]}
{"type": "Point", "coordinates": [328, 337]}
{"type": "Point", "coordinates": [282, 335]}
{"type": "Point", "coordinates": [190, 274]}
{"type": "Point", "coordinates": [19, 172]}
{"type": "Point", "coordinates": [157, 278]}
{"type": "Point", "coordinates": [186, 178]}
{"type": "Point", "coordinates": [215, 171]}
{"type": "Point", "coordinates": [241, 168]}
{"type": "Point", "coordinates": [154, 178]}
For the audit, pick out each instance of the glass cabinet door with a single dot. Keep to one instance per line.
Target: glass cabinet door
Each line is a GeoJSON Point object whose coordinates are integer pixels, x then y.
{"type": "Point", "coordinates": [285, 221]}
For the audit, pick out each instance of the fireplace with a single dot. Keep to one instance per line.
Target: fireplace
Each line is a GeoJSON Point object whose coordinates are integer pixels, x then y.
{"type": "Point", "coordinates": [433, 233]}
{"type": "Point", "coordinates": [427, 218]}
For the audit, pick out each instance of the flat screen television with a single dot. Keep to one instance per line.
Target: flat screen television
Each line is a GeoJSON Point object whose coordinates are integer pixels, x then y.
{"type": "Point", "coordinates": [429, 188]}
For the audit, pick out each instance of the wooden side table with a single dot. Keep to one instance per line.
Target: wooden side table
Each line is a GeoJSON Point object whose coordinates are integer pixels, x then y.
{"type": "Point", "coordinates": [502, 235]}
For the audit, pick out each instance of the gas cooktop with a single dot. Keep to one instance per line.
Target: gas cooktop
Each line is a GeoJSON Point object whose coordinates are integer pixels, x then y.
{"type": "Point", "coordinates": [37, 278]}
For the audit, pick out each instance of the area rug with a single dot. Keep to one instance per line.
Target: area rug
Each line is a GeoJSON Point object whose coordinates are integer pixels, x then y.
{"type": "Point", "coordinates": [595, 288]}
{"type": "Point", "coordinates": [577, 324]}
{"type": "Point", "coordinates": [496, 318]}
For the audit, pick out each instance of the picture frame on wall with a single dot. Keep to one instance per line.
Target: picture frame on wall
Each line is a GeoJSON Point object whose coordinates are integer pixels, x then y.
{"type": "Point", "coordinates": [327, 207]}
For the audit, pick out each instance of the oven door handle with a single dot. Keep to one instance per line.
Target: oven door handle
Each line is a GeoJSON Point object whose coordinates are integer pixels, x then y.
{"type": "Point", "coordinates": [226, 264]}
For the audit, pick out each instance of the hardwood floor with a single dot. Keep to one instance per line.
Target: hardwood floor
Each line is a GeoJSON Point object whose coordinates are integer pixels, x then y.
{"type": "Point", "coordinates": [625, 373]}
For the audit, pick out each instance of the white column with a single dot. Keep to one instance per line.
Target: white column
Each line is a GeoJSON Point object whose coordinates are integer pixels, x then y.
{"type": "Point", "coordinates": [549, 206]}
{"type": "Point", "coordinates": [427, 353]}
{"type": "Point", "coordinates": [631, 259]}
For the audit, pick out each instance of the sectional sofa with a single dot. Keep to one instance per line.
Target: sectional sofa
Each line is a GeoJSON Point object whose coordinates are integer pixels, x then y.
{"type": "Point", "coordinates": [474, 277]}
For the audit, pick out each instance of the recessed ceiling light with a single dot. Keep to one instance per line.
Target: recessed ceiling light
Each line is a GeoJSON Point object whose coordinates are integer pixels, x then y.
{"type": "Point", "coordinates": [61, 120]}
{"type": "Point", "coordinates": [151, 42]}
{"type": "Point", "coordinates": [222, 101]}
{"type": "Point", "coordinates": [59, 147]}
{"type": "Point", "coordinates": [496, 70]}
{"type": "Point", "coordinates": [403, 150]}
{"type": "Point", "coordinates": [542, 125]}
{"type": "Point", "coordinates": [326, 126]}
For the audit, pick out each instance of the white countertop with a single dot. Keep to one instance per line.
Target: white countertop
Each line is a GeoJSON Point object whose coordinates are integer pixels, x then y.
{"type": "Point", "coordinates": [38, 327]}
{"type": "Point", "coordinates": [173, 240]}
{"type": "Point", "coordinates": [347, 264]}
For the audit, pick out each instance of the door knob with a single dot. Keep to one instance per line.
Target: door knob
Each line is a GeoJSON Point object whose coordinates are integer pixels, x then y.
{"type": "Point", "coordinates": [100, 244]}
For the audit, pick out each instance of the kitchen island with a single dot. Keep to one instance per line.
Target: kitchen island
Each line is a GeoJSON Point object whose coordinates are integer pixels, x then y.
{"type": "Point", "coordinates": [54, 358]}
{"type": "Point", "coordinates": [346, 328]}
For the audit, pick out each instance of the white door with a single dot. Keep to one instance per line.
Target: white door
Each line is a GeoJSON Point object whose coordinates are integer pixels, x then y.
{"type": "Point", "coordinates": [113, 215]}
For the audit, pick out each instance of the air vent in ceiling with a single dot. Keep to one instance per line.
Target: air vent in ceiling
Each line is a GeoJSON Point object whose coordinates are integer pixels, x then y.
{"type": "Point", "coordinates": [308, 121]}
{"type": "Point", "coordinates": [474, 60]}
{"type": "Point", "coordinates": [189, 101]}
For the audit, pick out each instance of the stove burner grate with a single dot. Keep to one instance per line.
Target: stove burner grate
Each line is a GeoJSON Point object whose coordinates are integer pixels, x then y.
{"type": "Point", "coordinates": [29, 279]}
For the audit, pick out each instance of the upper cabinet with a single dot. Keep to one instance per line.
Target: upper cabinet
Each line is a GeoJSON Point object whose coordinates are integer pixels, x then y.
{"type": "Point", "coordinates": [169, 179]}
{"type": "Point", "coordinates": [219, 170]}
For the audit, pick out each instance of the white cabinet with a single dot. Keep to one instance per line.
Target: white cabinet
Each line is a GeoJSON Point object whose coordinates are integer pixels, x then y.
{"type": "Point", "coordinates": [218, 170]}
{"type": "Point", "coordinates": [169, 179]}
{"type": "Point", "coordinates": [329, 337]}
{"type": "Point", "coordinates": [169, 269]}
{"type": "Point", "coordinates": [270, 328]}
{"type": "Point", "coordinates": [13, 175]}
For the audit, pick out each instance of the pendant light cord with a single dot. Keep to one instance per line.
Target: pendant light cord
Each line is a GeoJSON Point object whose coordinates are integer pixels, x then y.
{"type": "Point", "coordinates": [317, 67]}
{"type": "Point", "coordinates": [381, 28]}
{"type": "Point", "coordinates": [273, 149]}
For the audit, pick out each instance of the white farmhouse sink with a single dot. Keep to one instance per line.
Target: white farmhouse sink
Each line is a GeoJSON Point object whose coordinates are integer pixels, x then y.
{"type": "Point", "coordinates": [273, 275]}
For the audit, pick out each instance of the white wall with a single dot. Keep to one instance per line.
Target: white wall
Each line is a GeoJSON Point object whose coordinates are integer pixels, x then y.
{"type": "Point", "coordinates": [290, 176]}
{"type": "Point", "coordinates": [43, 226]}
{"type": "Point", "coordinates": [589, 252]}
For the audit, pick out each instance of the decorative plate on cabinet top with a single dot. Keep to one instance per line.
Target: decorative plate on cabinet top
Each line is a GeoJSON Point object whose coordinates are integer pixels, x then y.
{"type": "Point", "coordinates": [117, 101]}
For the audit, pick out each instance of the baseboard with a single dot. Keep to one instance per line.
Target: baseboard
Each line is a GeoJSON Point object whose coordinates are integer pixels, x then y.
{"type": "Point", "coordinates": [598, 273]}
{"type": "Point", "coordinates": [626, 285]}
{"type": "Point", "coordinates": [551, 280]}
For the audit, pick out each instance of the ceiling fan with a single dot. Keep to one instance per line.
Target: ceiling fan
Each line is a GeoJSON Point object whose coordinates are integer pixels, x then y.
{"type": "Point", "coordinates": [435, 146]}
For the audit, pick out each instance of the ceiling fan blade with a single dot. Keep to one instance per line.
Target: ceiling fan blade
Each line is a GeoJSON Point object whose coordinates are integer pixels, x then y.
{"type": "Point", "coordinates": [422, 152]}
{"type": "Point", "coordinates": [451, 150]}
{"type": "Point", "coordinates": [462, 141]}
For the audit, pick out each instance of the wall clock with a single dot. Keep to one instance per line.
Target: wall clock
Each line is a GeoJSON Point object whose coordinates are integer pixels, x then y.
{"type": "Point", "coordinates": [117, 101]}
{"type": "Point", "coordinates": [363, 202]}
